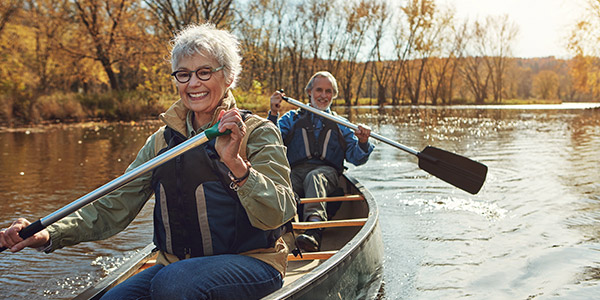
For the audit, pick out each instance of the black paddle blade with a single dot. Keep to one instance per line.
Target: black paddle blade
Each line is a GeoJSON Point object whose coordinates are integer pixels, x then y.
{"type": "Point", "coordinates": [457, 170]}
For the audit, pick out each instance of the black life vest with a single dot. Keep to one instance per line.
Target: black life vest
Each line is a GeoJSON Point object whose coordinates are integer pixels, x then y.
{"type": "Point", "coordinates": [196, 213]}
{"type": "Point", "coordinates": [329, 147]}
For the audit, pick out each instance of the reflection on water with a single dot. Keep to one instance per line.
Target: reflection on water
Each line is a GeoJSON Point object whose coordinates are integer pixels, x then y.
{"type": "Point", "coordinates": [532, 231]}
{"type": "Point", "coordinates": [45, 169]}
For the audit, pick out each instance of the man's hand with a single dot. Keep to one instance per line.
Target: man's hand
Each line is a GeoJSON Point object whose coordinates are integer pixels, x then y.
{"type": "Point", "coordinates": [362, 133]}
{"type": "Point", "coordinates": [276, 99]}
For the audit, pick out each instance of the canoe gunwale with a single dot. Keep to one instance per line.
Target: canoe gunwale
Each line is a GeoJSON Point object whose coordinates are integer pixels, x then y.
{"type": "Point", "coordinates": [114, 278]}
{"type": "Point", "coordinates": [301, 286]}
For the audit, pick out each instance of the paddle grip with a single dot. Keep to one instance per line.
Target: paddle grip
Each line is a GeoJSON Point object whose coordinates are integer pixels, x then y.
{"type": "Point", "coordinates": [29, 231]}
{"type": "Point", "coordinates": [213, 131]}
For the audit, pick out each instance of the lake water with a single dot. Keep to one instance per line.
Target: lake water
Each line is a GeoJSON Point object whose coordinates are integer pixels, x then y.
{"type": "Point", "coordinates": [532, 232]}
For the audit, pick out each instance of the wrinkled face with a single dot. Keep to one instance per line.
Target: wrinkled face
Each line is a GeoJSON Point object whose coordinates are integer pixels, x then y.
{"type": "Point", "coordinates": [202, 97]}
{"type": "Point", "coordinates": [321, 93]}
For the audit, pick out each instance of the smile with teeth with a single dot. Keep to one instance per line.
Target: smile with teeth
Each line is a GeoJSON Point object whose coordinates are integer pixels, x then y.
{"type": "Point", "coordinates": [198, 95]}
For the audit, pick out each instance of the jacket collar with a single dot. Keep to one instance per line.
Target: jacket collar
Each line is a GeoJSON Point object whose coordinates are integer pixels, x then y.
{"type": "Point", "coordinates": [179, 117]}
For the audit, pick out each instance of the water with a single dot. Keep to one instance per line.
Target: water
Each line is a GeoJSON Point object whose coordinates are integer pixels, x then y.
{"type": "Point", "coordinates": [533, 231]}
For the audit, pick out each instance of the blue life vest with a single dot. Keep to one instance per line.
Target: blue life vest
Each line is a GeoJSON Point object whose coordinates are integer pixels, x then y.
{"type": "Point", "coordinates": [196, 213]}
{"type": "Point", "coordinates": [303, 145]}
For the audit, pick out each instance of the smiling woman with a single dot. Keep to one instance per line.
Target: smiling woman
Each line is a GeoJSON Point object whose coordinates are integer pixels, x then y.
{"type": "Point", "coordinates": [219, 208]}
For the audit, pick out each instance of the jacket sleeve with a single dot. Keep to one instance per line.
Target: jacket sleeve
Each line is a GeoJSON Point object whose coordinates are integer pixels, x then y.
{"type": "Point", "coordinates": [356, 153]}
{"type": "Point", "coordinates": [108, 215]}
{"type": "Point", "coordinates": [286, 122]}
{"type": "Point", "coordinates": [267, 195]}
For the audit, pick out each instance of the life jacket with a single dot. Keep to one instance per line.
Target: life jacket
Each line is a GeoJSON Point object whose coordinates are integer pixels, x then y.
{"type": "Point", "coordinates": [196, 213]}
{"type": "Point", "coordinates": [303, 145]}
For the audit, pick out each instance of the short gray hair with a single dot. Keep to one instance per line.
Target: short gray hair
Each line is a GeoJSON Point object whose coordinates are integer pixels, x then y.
{"type": "Point", "coordinates": [220, 44]}
{"type": "Point", "coordinates": [327, 75]}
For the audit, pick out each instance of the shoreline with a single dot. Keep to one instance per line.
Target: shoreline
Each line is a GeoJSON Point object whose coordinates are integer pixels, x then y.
{"type": "Point", "coordinates": [49, 124]}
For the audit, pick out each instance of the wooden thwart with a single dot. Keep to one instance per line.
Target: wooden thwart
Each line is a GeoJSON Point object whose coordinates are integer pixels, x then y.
{"type": "Point", "coordinates": [312, 255]}
{"type": "Point", "coordinates": [332, 199]}
{"type": "Point", "coordinates": [328, 224]}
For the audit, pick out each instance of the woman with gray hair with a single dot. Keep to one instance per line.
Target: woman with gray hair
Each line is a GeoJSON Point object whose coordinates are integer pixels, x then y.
{"type": "Point", "coordinates": [219, 208]}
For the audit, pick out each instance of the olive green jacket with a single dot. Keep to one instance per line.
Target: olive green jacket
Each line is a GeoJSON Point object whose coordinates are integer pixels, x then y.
{"type": "Point", "coordinates": [266, 195]}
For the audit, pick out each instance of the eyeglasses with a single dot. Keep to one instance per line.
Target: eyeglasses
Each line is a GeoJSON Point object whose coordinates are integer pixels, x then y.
{"type": "Point", "coordinates": [203, 74]}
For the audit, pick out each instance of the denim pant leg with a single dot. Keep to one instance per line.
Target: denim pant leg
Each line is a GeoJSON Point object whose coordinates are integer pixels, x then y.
{"type": "Point", "coordinates": [136, 287]}
{"type": "Point", "coordinates": [226, 276]}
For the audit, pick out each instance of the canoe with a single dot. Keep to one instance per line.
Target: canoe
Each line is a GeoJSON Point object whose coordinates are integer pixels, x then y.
{"type": "Point", "coordinates": [348, 266]}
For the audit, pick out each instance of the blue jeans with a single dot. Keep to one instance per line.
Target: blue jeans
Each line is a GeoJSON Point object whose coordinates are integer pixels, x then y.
{"type": "Point", "coordinates": [226, 276]}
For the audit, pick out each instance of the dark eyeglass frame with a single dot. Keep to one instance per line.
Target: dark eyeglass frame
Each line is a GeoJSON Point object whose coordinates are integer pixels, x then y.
{"type": "Point", "coordinates": [202, 78]}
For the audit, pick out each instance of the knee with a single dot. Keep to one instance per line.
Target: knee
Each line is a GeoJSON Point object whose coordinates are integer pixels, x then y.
{"type": "Point", "coordinates": [314, 177]}
{"type": "Point", "coordinates": [170, 283]}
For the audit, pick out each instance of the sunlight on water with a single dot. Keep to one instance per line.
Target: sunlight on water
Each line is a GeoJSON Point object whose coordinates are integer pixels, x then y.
{"type": "Point", "coordinates": [490, 211]}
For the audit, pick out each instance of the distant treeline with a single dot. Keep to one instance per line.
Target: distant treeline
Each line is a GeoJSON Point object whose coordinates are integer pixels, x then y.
{"type": "Point", "coordinates": [73, 59]}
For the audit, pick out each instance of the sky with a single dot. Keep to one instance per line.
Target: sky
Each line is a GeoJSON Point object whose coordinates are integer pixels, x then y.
{"type": "Point", "coordinates": [544, 25]}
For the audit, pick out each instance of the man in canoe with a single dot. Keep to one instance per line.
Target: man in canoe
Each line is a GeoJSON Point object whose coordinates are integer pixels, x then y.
{"type": "Point", "coordinates": [316, 150]}
{"type": "Point", "coordinates": [219, 207]}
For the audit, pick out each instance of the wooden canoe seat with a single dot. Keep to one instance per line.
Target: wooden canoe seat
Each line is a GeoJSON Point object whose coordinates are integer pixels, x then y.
{"type": "Point", "coordinates": [332, 199]}
{"type": "Point", "coordinates": [312, 255]}
{"type": "Point", "coordinates": [329, 224]}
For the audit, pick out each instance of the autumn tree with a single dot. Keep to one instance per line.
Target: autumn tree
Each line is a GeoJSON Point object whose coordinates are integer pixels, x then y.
{"type": "Point", "coordinates": [456, 52]}
{"type": "Point", "coordinates": [48, 22]}
{"type": "Point", "coordinates": [357, 21]}
{"type": "Point", "coordinates": [7, 9]}
{"type": "Point", "coordinates": [427, 25]}
{"type": "Point", "coordinates": [297, 54]}
{"type": "Point", "coordinates": [584, 45]}
{"type": "Point", "coordinates": [173, 16]}
{"type": "Point", "coordinates": [502, 34]}
{"type": "Point", "coordinates": [475, 67]}
{"type": "Point", "coordinates": [545, 85]}
{"type": "Point", "coordinates": [382, 68]}
{"type": "Point", "coordinates": [317, 12]}
{"type": "Point", "coordinates": [431, 42]}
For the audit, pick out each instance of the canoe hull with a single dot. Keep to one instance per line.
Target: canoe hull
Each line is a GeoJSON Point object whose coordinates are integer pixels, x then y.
{"type": "Point", "coordinates": [355, 271]}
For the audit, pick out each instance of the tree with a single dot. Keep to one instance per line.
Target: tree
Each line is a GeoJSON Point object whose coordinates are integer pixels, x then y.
{"type": "Point", "coordinates": [545, 85]}
{"type": "Point", "coordinates": [457, 52]}
{"type": "Point", "coordinates": [381, 67]}
{"type": "Point", "coordinates": [359, 19]}
{"type": "Point", "coordinates": [584, 44]}
{"type": "Point", "coordinates": [7, 9]}
{"type": "Point", "coordinates": [502, 36]}
{"type": "Point", "coordinates": [48, 21]}
{"type": "Point", "coordinates": [102, 22]}
{"type": "Point", "coordinates": [317, 12]}
{"type": "Point", "coordinates": [172, 16]}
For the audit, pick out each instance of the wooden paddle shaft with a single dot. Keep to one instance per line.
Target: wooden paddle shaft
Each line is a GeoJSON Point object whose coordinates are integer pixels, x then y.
{"type": "Point", "coordinates": [349, 125]}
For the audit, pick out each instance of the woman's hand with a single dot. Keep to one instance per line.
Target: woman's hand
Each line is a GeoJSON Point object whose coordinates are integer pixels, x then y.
{"type": "Point", "coordinates": [10, 238]}
{"type": "Point", "coordinates": [362, 133]}
{"type": "Point", "coordinates": [228, 146]}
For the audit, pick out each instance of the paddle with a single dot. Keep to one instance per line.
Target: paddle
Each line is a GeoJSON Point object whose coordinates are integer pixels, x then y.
{"type": "Point", "coordinates": [120, 181]}
{"type": "Point", "coordinates": [457, 170]}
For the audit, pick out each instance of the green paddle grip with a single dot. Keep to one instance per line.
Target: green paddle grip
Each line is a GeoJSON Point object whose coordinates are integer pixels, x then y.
{"type": "Point", "coordinates": [213, 131]}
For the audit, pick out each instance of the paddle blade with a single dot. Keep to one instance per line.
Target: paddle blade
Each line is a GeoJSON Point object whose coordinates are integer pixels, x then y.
{"type": "Point", "coordinates": [457, 170]}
